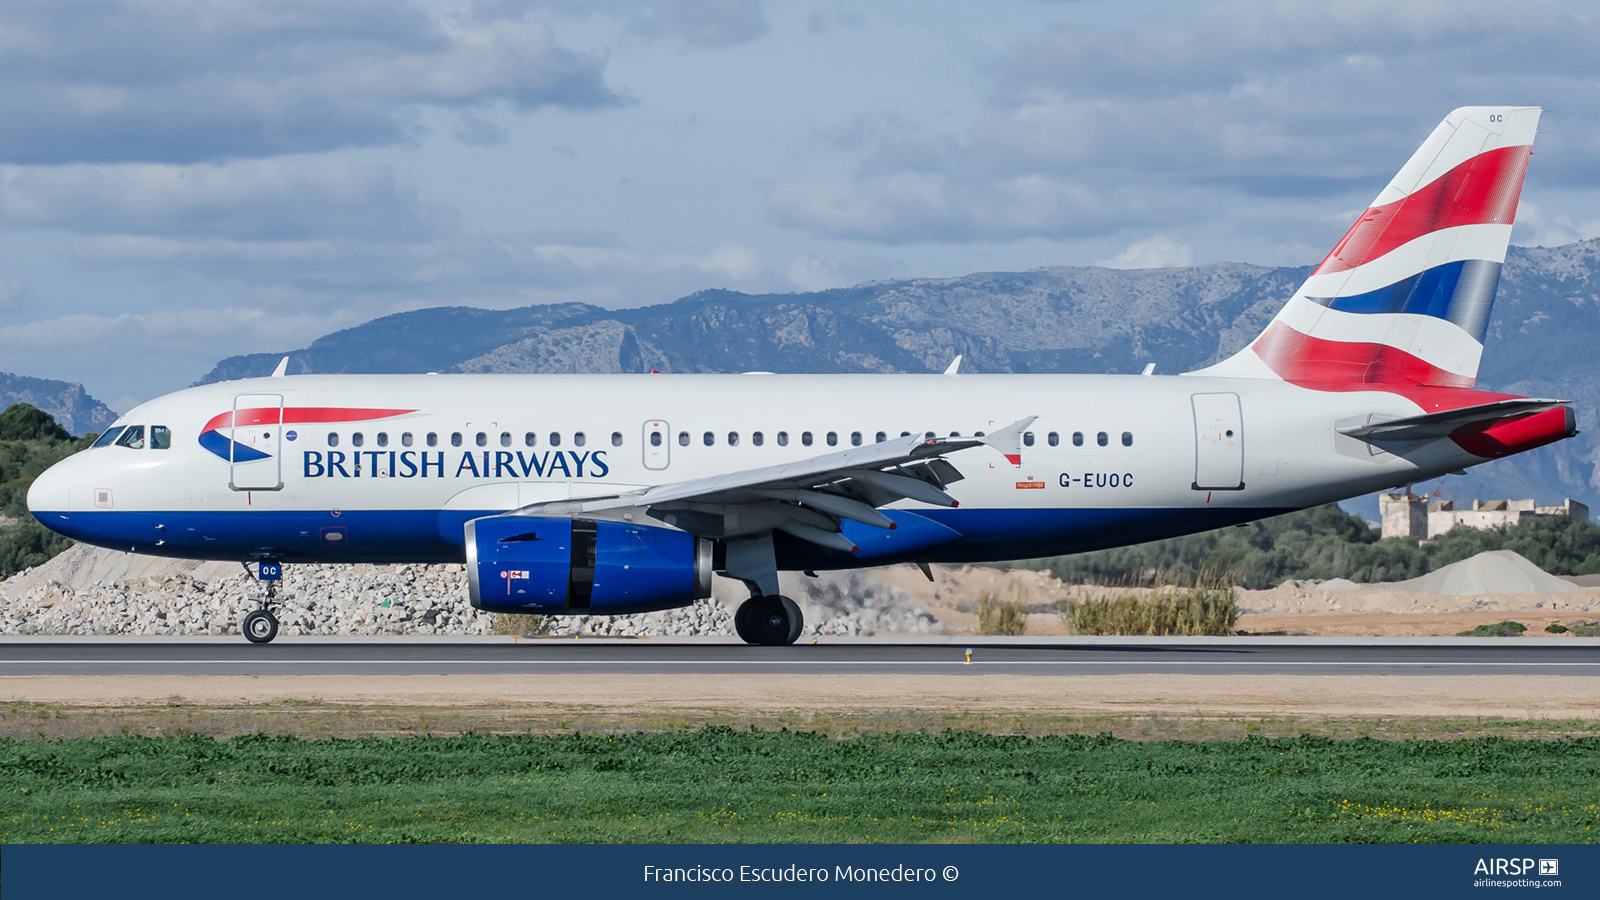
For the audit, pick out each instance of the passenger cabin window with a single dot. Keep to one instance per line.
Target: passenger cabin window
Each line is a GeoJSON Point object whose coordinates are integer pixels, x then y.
{"type": "Point", "coordinates": [505, 438]}
{"type": "Point", "coordinates": [357, 439]}
{"type": "Point", "coordinates": [1101, 439]}
{"type": "Point", "coordinates": [881, 437]}
{"type": "Point", "coordinates": [555, 438]}
{"type": "Point", "coordinates": [833, 439]}
{"type": "Point", "coordinates": [383, 439]}
{"type": "Point", "coordinates": [783, 439]}
{"type": "Point", "coordinates": [579, 439]}
{"type": "Point", "coordinates": [1027, 439]}
{"type": "Point", "coordinates": [530, 439]}
{"type": "Point", "coordinates": [133, 438]}
{"type": "Point", "coordinates": [161, 437]}
{"type": "Point", "coordinates": [482, 439]}
{"type": "Point", "coordinates": [708, 439]}
{"type": "Point", "coordinates": [855, 438]}
{"type": "Point", "coordinates": [1127, 439]}
{"type": "Point", "coordinates": [333, 439]}
{"type": "Point", "coordinates": [733, 439]}
{"type": "Point", "coordinates": [405, 439]}
{"type": "Point", "coordinates": [616, 438]}
{"type": "Point", "coordinates": [655, 438]}
{"type": "Point", "coordinates": [1053, 439]}
{"type": "Point", "coordinates": [905, 434]}
{"type": "Point", "coordinates": [757, 438]}
{"type": "Point", "coordinates": [928, 436]}
{"type": "Point", "coordinates": [433, 439]}
{"type": "Point", "coordinates": [805, 438]}
{"type": "Point", "coordinates": [683, 439]}
{"type": "Point", "coordinates": [1077, 439]}
{"type": "Point", "coordinates": [106, 439]}
{"type": "Point", "coordinates": [455, 438]}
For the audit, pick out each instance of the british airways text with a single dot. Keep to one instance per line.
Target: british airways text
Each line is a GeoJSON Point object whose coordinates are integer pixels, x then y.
{"type": "Point", "coordinates": [432, 464]}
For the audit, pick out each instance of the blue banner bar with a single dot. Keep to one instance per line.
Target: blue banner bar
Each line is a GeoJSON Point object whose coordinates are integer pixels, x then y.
{"type": "Point", "coordinates": [244, 872]}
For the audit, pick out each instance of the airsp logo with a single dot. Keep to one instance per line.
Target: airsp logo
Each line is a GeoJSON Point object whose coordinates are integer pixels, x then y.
{"type": "Point", "coordinates": [1515, 867]}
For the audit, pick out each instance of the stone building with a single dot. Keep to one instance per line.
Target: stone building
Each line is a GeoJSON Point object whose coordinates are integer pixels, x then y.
{"type": "Point", "coordinates": [1407, 515]}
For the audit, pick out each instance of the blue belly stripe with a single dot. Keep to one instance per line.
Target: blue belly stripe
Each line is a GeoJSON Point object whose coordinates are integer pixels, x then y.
{"type": "Point", "coordinates": [421, 535]}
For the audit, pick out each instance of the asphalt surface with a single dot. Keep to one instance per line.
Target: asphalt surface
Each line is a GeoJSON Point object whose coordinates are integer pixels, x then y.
{"type": "Point", "coordinates": [560, 657]}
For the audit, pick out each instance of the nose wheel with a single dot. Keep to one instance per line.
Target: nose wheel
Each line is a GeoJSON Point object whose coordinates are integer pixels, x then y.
{"type": "Point", "coordinates": [260, 626]}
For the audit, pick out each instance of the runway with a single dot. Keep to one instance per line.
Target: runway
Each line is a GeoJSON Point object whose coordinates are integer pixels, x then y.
{"type": "Point", "coordinates": [414, 656]}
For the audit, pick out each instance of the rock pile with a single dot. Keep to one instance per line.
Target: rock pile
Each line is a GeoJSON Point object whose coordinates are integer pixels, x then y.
{"type": "Point", "coordinates": [87, 590]}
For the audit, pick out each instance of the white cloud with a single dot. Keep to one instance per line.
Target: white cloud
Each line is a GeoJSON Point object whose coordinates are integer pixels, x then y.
{"type": "Point", "coordinates": [271, 199]}
{"type": "Point", "coordinates": [179, 82]}
{"type": "Point", "coordinates": [1154, 253]}
{"type": "Point", "coordinates": [704, 23]}
{"type": "Point", "coordinates": [813, 273]}
{"type": "Point", "coordinates": [1091, 129]}
{"type": "Point", "coordinates": [1536, 226]}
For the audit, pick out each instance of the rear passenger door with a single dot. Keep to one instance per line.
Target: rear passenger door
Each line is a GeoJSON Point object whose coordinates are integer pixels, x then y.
{"type": "Point", "coordinates": [1219, 443]}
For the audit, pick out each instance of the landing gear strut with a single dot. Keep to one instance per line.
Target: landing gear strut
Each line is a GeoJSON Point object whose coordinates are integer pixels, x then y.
{"type": "Point", "coordinates": [770, 621]}
{"type": "Point", "coordinates": [260, 626]}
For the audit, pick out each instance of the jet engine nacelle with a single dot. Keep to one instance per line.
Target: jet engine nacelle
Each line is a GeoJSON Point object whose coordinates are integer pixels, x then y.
{"type": "Point", "coordinates": [518, 564]}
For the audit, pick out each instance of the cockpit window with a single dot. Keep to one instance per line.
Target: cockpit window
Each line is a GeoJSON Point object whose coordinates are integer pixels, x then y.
{"type": "Point", "coordinates": [110, 435]}
{"type": "Point", "coordinates": [133, 438]}
{"type": "Point", "coordinates": [160, 437]}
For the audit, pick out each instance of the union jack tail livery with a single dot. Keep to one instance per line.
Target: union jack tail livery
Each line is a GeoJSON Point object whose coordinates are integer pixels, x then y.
{"type": "Point", "coordinates": [1404, 298]}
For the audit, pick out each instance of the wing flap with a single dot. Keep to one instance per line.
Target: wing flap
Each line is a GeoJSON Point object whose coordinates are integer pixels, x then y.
{"type": "Point", "coordinates": [808, 498]}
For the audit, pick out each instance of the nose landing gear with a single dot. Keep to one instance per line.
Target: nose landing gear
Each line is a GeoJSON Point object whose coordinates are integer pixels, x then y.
{"type": "Point", "coordinates": [260, 626]}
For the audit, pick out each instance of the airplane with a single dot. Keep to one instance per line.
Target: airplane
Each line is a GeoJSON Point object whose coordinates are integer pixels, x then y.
{"type": "Point", "coordinates": [613, 494]}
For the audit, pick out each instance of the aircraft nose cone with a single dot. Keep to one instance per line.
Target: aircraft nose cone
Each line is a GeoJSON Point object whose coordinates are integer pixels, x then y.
{"type": "Point", "coordinates": [48, 494]}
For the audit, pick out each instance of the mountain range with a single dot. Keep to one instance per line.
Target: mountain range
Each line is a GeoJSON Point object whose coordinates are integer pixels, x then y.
{"type": "Point", "coordinates": [66, 401]}
{"type": "Point", "coordinates": [1541, 339]}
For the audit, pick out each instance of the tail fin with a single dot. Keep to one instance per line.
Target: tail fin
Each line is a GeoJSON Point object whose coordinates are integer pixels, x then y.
{"type": "Point", "coordinates": [1404, 298]}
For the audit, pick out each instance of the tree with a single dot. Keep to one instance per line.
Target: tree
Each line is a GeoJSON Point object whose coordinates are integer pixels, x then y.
{"type": "Point", "coordinates": [22, 422]}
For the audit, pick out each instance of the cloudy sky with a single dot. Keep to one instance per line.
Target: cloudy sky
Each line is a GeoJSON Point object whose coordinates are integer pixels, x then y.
{"type": "Point", "coordinates": [182, 180]}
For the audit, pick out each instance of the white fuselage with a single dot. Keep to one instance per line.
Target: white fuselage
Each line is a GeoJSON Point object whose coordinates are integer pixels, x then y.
{"type": "Point", "coordinates": [360, 480]}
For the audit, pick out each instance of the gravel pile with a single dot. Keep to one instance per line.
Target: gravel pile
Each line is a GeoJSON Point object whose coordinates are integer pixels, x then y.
{"type": "Point", "coordinates": [88, 590]}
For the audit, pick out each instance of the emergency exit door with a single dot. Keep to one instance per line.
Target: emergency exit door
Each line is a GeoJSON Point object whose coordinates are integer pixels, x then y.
{"type": "Point", "coordinates": [657, 444]}
{"type": "Point", "coordinates": [254, 455]}
{"type": "Point", "coordinates": [1219, 443]}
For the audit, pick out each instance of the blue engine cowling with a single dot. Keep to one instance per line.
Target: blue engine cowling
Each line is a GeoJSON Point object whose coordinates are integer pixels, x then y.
{"type": "Point", "coordinates": [518, 564]}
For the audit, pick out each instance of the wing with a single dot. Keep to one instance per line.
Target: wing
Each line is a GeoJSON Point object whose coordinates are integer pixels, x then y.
{"type": "Point", "coordinates": [1442, 424]}
{"type": "Point", "coordinates": [808, 498]}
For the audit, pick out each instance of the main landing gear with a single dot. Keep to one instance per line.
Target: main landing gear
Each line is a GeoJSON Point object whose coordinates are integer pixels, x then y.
{"type": "Point", "coordinates": [770, 621]}
{"type": "Point", "coordinates": [260, 626]}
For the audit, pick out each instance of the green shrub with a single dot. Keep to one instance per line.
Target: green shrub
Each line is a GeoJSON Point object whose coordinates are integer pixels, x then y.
{"type": "Point", "coordinates": [1183, 611]}
{"type": "Point", "coordinates": [1555, 628]}
{"type": "Point", "coordinates": [1200, 605]}
{"type": "Point", "coordinates": [1326, 542]}
{"type": "Point", "coordinates": [1498, 629]}
{"type": "Point", "coordinates": [996, 616]}
{"type": "Point", "coordinates": [522, 625]}
{"type": "Point", "coordinates": [28, 544]}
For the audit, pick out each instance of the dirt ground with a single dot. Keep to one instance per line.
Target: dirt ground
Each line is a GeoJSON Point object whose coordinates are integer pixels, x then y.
{"type": "Point", "coordinates": [1404, 625]}
{"type": "Point", "coordinates": [1135, 706]}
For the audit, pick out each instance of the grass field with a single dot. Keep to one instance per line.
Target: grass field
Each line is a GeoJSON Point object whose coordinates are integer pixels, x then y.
{"type": "Point", "coordinates": [720, 784]}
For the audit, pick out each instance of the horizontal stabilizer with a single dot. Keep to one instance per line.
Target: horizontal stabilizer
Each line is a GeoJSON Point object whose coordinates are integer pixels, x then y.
{"type": "Point", "coordinates": [1434, 426]}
